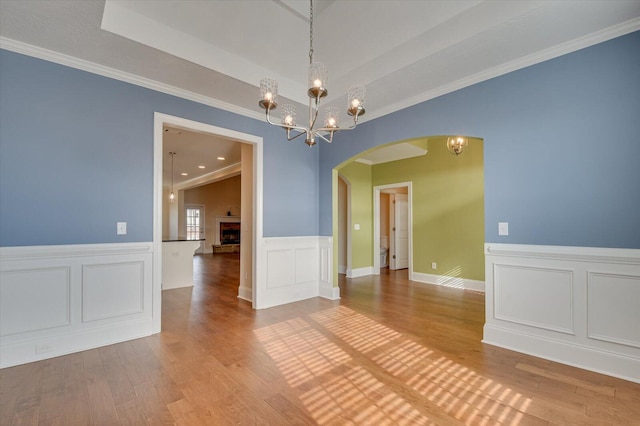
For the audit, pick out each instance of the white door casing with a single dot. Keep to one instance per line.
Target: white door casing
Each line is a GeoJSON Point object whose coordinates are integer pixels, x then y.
{"type": "Point", "coordinates": [400, 232]}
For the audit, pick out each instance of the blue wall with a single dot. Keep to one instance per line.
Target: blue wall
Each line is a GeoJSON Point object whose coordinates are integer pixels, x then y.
{"type": "Point", "coordinates": [561, 147]}
{"type": "Point", "coordinates": [76, 156]}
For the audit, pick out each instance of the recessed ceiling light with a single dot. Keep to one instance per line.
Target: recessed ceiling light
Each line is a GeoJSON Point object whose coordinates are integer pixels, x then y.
{"type": "Point", "coordinates": [184, 174]}
{"type": "Point", "coordinates": [220, 158]}
{"type": "Point", "coordinates": [201, 167]}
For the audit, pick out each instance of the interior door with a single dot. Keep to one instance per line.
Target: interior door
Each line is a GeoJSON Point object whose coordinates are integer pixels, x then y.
{"type": "Point", "coordinates": [400, 232]}
{"type": "Point", "coordinates": [195, 225]}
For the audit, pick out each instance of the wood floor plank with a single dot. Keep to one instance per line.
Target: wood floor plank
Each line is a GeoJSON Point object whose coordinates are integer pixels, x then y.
{"type": "Point", "coordinates": [604, 390]}
{"type": "Point", "coordinates": [389, 352]}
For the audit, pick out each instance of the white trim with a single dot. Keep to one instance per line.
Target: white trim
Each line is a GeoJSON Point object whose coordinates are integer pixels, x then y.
{"type": "Point", "coordinates": [8, 254]}
{"type": "Point", "coordinates": [376, 223]}
{"type": "Point", "coordinates": [539, 301]}
{"type": "Point", "coordinates": [581, 254]}
{"type": "Point", "coordinates": [448, 281]}
{"type": "Point", "coordinates": [160, 120]}
{"type": "Point", "coordinates": [361, 272]}
{"type": "Point", "coordinates": [83, 65]}
{"type": "Point", "coordinates": [581, 356]}
{"type": "Point", "coordinates": [245, 293]}
{"type": "Point", "coordinates": [329, 292]}
{"type": "Point", "coordinates": [520, 63]}
{"type": "Point", "coordinates": [535, 58]}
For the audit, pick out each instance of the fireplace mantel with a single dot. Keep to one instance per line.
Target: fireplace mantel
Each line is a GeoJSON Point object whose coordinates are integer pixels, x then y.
{"type": "Point", "coordinates": [223, 219]}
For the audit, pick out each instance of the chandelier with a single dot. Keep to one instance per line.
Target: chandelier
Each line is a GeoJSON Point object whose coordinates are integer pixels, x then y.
{"type": "Point", "coordinates": [317, 83]}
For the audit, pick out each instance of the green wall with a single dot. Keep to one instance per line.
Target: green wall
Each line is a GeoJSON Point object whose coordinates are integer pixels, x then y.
{"type": "Point", "coordinates": [358, 176]}
{"type": "Point", "coordinates": [448, 208]}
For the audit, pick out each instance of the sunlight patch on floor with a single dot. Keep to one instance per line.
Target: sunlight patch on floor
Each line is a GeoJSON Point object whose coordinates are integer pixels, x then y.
{"type": "Point", "coordinates": [335, 388]}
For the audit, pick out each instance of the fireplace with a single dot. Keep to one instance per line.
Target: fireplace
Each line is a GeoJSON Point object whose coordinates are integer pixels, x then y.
{"type": "Point", "coordinates": [229, 233]}
{"type": "Point", "coordinates": [227, 230]}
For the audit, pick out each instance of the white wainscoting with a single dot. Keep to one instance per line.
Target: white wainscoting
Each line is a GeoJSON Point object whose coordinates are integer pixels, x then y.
{"type": "Point", "coordinates": [296, 268]}
{"type": "Point", "coordinates": [56, 300]}
{"type": "Point", "coordinates": [575, 305]}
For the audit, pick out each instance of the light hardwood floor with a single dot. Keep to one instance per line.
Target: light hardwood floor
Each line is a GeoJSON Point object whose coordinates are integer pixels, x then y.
{"type": "Point", "coordinates": [389, 352]}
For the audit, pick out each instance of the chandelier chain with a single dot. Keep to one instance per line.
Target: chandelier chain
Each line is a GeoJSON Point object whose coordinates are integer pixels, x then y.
{"type": "Point", "coordinates": [310, 31]}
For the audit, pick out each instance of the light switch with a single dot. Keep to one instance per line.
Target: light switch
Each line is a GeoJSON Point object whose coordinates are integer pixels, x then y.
{"type": "Point", "coordinates": [503, 228]}
{"type": "Point", "coordinates": [356, 226]}
{"type": "Point", "coordinates": [121, 228]}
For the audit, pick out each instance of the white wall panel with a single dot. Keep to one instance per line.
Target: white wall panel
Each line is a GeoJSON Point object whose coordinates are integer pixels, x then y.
{"type": "Point", "coordinates": [613, 308]}
{"type": "Point", "coordinates": [575, 305]}
{"type": "Point", "coordinates": [540, 297]}
{"type": "Point", "coordinates": [280, 272]}
{"type": "Point", "coordinates": [296, 268]}
{"type": "Point", "coordinates": [34, 299]}
{"type": "Point", "coordinates": [55, 300]}
{"type": "Point", "coordinates": [307, 265]}
{"type": "Point", "coordinates": [111, 290]}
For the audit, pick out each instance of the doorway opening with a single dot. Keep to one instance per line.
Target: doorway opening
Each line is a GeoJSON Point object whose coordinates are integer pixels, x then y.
{"type": "Point", "coordinates": [392, 227]}
{"type": "Point", "coordinates": [251, 211]}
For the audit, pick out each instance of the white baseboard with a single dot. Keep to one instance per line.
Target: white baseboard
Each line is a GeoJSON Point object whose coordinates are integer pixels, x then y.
{"type": "Point", "coordinates": [574, 305]}
{"type": "Point", "coordinates": [331, 293]}
{"type": "Point", "coordinates": [360, 272]}
{"type": "Point", "coordinates": [588, 358]}
{"type": "Point", "coordinates": [245, 293]}
{"type": "Point", "coordinates": [57, 300]}
{"type": "Point", "coordinates": [447, 281]}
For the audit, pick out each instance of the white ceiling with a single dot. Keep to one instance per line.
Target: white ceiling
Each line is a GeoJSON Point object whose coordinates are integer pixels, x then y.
{"type": "Point", "coordinates": [194, 150]}
{"type": "Point", "coordinates": [216, 51]}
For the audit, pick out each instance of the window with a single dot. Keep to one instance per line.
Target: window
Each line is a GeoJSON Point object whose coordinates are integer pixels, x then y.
{"type": "Point", "coordinates": [193, 223]}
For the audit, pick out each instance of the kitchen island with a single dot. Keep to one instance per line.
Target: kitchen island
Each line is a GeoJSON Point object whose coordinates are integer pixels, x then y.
{"type": "Point", "coordinates": [177, 263]}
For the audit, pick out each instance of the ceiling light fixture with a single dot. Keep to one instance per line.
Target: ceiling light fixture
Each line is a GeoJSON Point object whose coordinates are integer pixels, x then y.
{"type": "Point", "coordinates": [172, 197]}
{"type": "Point", "coordinates": [456, 144]}
{"type": "Point", "coordinates": [317, 90]}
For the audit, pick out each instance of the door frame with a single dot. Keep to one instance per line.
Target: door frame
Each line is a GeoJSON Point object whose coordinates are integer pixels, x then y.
{"type": "Point", "coordinates": [376, 223]}
{"type": "Point", "coordinates": [159, 121]}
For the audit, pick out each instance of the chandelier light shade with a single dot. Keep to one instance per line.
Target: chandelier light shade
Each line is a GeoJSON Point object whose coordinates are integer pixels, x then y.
{"type": "Point", "coordinates": [317, 84]}
{"type": "Point", "coordinates": [456, 144]}
{"type": "Point", "coordinates": [288, 115]}
{"type": "Point", "coordinates": [355, 97]}
{"type": "Point", "coordinates": [268, 93]}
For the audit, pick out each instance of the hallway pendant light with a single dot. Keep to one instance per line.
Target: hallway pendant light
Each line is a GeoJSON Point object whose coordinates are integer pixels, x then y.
{"type": "Point", "coordinates": [172, 197]}
{"type": "Point", "coordinates": [317, 83]}
{"type": "Point", "coordinates": [456, 144]}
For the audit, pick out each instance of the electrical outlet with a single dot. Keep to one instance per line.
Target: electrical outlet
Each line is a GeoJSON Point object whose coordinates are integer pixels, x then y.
{"type": "Point", "coordinates": [503, 228]}
{"type": "Point", "coordinates": [121, 228]}
{"type": "Point", "coordinates": [434, 265]}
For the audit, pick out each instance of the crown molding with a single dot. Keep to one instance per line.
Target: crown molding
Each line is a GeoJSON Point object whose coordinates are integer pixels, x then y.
{"type": "Point", "coordinates": [526, 61]}
{"type": "Point", "coordinates": [83, 65]}
{"type": "Point", "coordinates": [532, 59]}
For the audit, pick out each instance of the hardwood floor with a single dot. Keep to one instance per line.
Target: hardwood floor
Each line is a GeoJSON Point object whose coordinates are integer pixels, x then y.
{"type": "Point", "coordinates": [389, 352]}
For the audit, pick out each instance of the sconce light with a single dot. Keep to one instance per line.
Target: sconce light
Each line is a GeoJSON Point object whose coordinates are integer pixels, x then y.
{"type": "Point", "coordinates": [456, 144]}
